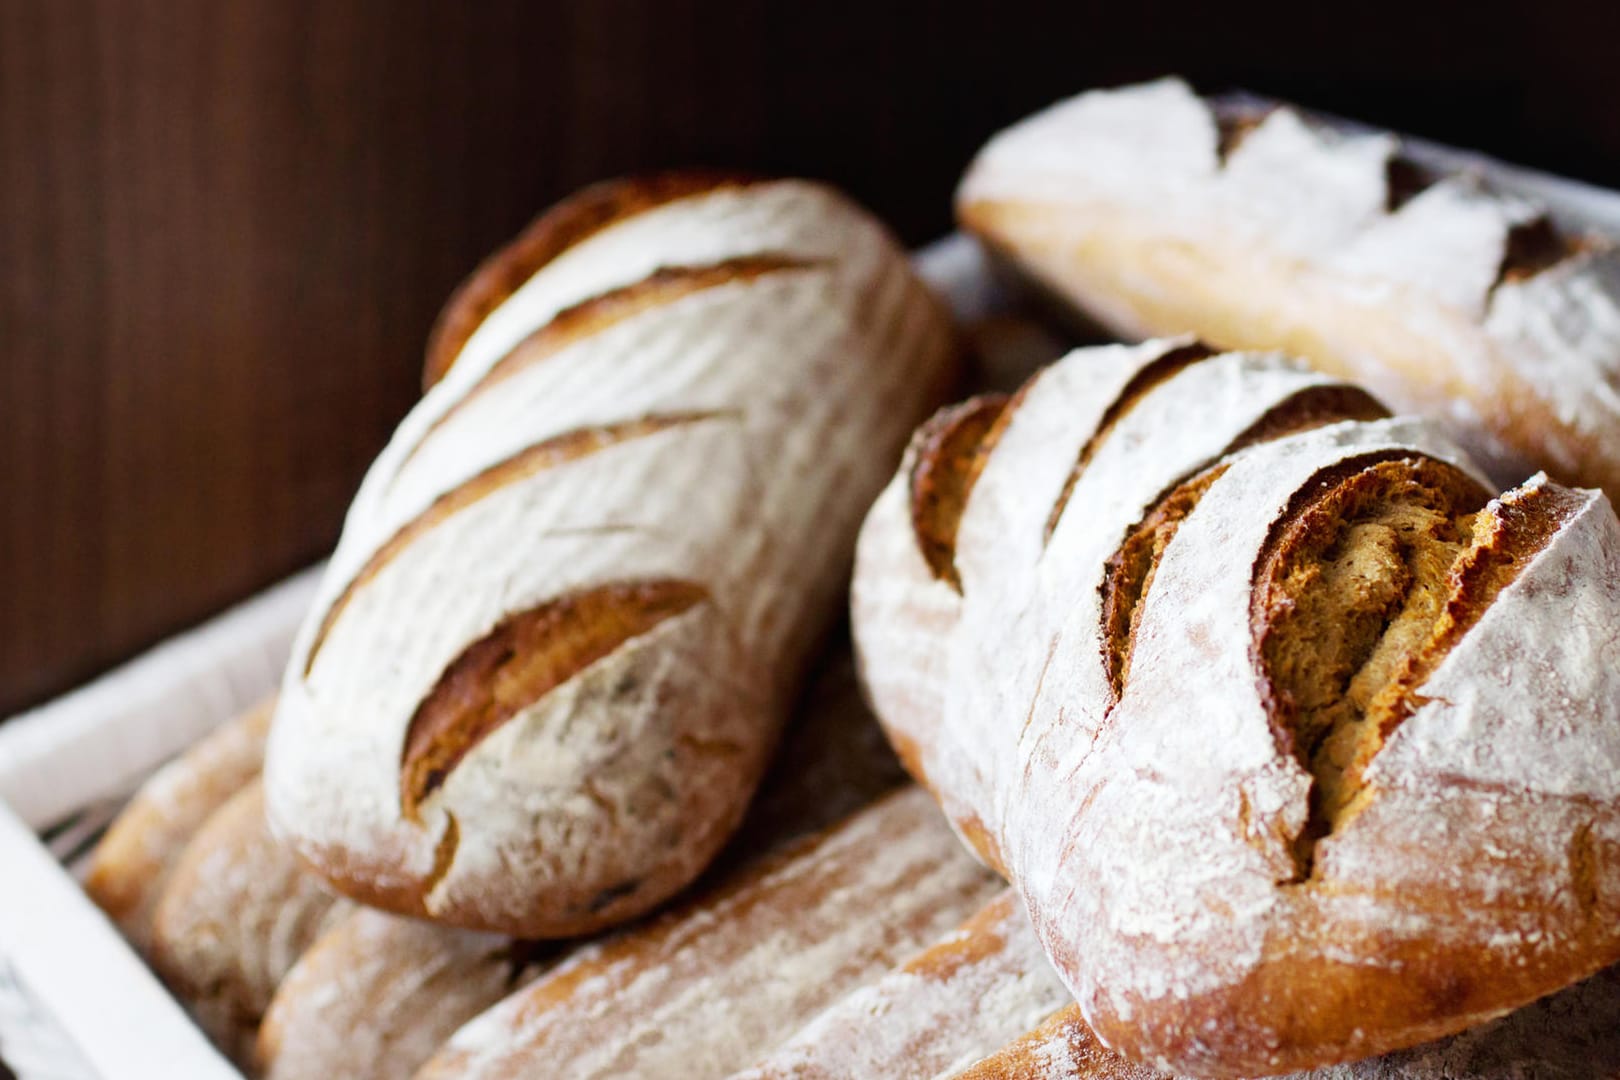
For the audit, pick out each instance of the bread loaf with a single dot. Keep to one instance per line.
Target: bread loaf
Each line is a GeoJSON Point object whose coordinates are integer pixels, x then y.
{"type": "Point", "coordinates": [951, 1004]}
{"type": "Point", "coordinates": [575, 593]}
{"type": "Point", "coordinates": [707, 987]}
{"type": "Point", "coordinates": [1155, 212]}
{"type": "Point", "coordinates": [378, 994]}
{"type": "Point", "coordinates": [1299, 746]}
{"type": "Point", "coordinates": [132, 863]}
{"type": "Point", "coordinates": [236, 913]}
{"type": "Point", "coordinates": [1572, 1035]}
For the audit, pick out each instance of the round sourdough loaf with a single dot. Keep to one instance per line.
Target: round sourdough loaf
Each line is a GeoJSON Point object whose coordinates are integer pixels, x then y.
{"type": "Point", "coordinates": [574, 594]}
{"type": "Point", "coordinates": [1299, 746]}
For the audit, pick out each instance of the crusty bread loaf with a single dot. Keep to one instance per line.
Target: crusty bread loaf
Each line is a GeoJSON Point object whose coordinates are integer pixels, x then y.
{"type": "Point", "coordinates": [949, 1005]}
{"type": "Point", "coordinates": [575, 593]}
{"type": "Point", "coordinates": [132, 863]}
{"type": "Point", "coordinates": [236, 913]}
{"type": "Point", "coordinates": [1572, 1035]}
{"type": "Point", "coordinates": [1156, 212]}
{"type": "Point", "coordinates": [1298, 745]}
{"type": "Point", "coordinates": [707, 987]}
{"type": "Point", "coordinates": [379, 993]}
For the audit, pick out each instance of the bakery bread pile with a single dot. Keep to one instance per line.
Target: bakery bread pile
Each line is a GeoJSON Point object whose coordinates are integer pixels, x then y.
{"type": "Point", "coordinates": [1298, 745]}
{"type": "Point", "coordinates": [1271, 734]}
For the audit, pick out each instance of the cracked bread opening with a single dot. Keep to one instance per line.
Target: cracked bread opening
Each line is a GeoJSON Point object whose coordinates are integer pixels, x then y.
{"type": "Point", "coordinates": [1129, 571]}
{"type": "Point", "coordinates": [950, 451]}
{"type": "Point", "coordinates": [524, 658]}
{"type": "Point", "coordinates": [1349, 591]}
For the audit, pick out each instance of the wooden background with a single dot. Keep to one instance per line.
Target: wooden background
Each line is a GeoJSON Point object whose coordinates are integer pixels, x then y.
{"type": "Point", "coordinates": [226, 226]}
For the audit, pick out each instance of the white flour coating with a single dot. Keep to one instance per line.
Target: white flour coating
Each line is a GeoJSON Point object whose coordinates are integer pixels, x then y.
{"type": "Point", "coordinates": [948, 1006]}
{"type": "Point", "coordinates": [1153, 839]}
{"type": "Point", "coordinates": [1121, 201]}
{"type": "Point", "coordinates": [377, 994]}
{"type": "Point", "coordinates": [1493, 721]}
{"type": "Point", "coordinates": [784, 397]}
{"type": "Point", "coordinates": [133, 862]}
{"type": "Point", "coordinates": [237, 913]}
{"type": "Point", "coordinates": [794, 218]}
{"type": "Point", "coordinates": [707, 988]}
{"type": "Point", "coordinates": [1571, 1035]}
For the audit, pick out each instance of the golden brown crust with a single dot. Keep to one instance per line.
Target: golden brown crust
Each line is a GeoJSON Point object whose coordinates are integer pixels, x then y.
{"type": "Point", "coordinates": [558, 229]}
{"type": "Point", "coordinates": [546, 454]}
{"type": "Point", "coordinates": [1348, 586]}
{"type": "Point", "coordinates": [690, 985]}
{"type": "Point", "coordinates": [1129, 571]}
{"type": "Point", "coordinates": [134, 860]}
{"type": "Point", "coordinates": [527, 656]}
{"type": "Point", "coordinates": [1141, 384]}
{"type": "Point", "coordinates": [1571, 1035]}
{"type": "Point", "coordinates": [376, 995]}
{"type": "Point", "coordinates": [236, 914]}
{"type": "Point", "coordinates": [946, 461]}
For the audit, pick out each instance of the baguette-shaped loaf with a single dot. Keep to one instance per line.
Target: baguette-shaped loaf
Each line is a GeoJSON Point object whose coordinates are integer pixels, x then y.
{"type": "Point", "coordinates": [377, 995]}
{"type": "Point", "coordinates": [575, 593]}
{"type": "Point", "coordinates": [1298, 745]}
{"type": "Point", "coordinates": [235, 915]}
{"type": "Point", "coordinates": [1156, 212]}
{"type": "Point", "coordinates": [707, 987]}
{"type": "Point", "coordinates": [132, 863]}
{"type": "Point", "coordinates": [951, 1004]}
{"type": "Point", "coordinates": [1571, 1035]}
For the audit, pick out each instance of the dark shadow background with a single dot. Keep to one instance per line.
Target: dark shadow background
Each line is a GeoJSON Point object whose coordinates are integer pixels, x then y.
{"type": "Point", "coordinates": [225, 227]}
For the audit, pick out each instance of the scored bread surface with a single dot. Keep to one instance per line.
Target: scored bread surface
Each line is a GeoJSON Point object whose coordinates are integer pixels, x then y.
{"type": "Point", "coordinates": [1158, 212]}
{"type": "Point", "coordinates": [1386, 774]}
{"type": "Point", "coordinates": [982, 985]}
{"type": "Point", "coordinates": [707, 987]}
{"type": "Point", "coordinates": [576, 591]}
{"type": "Point", "coordinates": [378, 994]}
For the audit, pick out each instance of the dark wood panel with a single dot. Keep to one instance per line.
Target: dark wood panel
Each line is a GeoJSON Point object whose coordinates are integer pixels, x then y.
{"type": "Point", "coordinates": [225, 227]}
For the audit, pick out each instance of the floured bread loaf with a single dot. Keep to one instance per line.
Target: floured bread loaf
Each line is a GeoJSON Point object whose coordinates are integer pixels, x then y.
{"type": "Point", "coordinates": [1572, 1035]}
{"type": "Point", "coordinates": [1157, 213]}
{"type": "Point", "coordinates": [377, 994]}
{"type": "Point", "coordinates": [235, 915]}
{"type": "Point", "coordinates": [132, 863]}
{"type": "Point", "coordinates": [707, 987]}
{"type": "Point", "coordinates": [963, 997]}
{"type": "Point", "coordinates": [1299, 746]}
{"type": "Point", "coordinates": [575, 593]}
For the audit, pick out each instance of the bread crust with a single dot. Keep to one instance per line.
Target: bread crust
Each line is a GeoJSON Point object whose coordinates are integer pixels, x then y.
{"type": "Point", "coordinates": [236, 914]}
{"type": "Point", "coordinates": [377, 995]}
{"type": "Point", "coordinates": [568, 223]}
{"type": "Point", "coordinates": [132, 863]}
{"type": "Point", "coordinates": [1443, 297]}
{"type": "Point", "coordinates": [706, 987]}
{"type": "Point", "coordinates": [1161, 857]}
{"type": "Point", "coordinates": [1571, 1035]}
{"type": "Point", "coordinates": [567, 616]}
{"type": "Point", "coordinates": [973, 990]}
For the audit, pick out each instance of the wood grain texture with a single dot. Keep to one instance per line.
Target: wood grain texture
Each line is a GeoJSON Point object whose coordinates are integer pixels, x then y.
{"type": "Point", "coordinates": [225, 228]}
